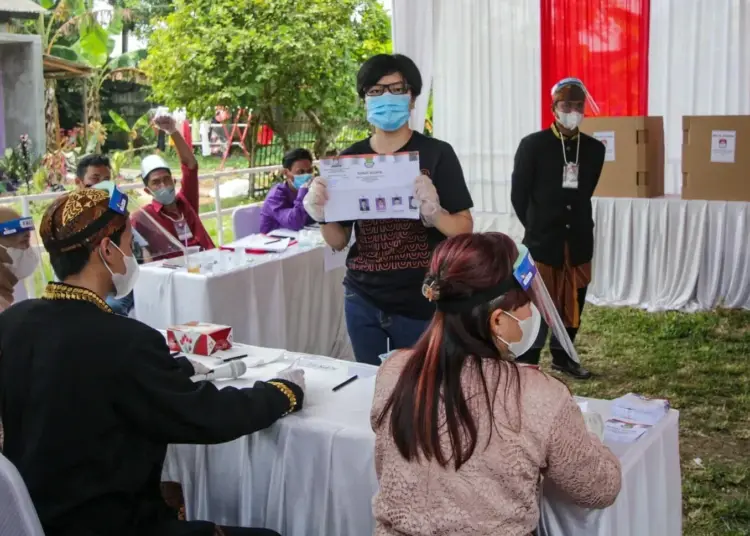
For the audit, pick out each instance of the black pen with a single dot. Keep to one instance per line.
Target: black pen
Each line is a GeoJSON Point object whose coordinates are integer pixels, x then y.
{"type": "Point", "coordinates": [235, 358]}
{"type": "Point", "coordinates": [272, 241]}
{"type": "Point", "coordinates": [344, 384]}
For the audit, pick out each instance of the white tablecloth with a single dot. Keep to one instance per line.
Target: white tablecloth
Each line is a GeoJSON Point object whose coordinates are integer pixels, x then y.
{"type": "Point", "coordinates": [664, 254]}
{"type": "Point", "coordinates": [280, 301]}
{"type": "Point", "coordinates": [312, 474]}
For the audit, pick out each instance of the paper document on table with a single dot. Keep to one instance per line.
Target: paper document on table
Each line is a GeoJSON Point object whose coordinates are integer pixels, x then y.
{"type": "Point", "coordinates": [371, 187]}
{"type": "Point", "coordinates": [284, 233]}
{"type": "Point", "coordinates": [262, 243]}
{"type": "Point", "coordinates": [619, 431]}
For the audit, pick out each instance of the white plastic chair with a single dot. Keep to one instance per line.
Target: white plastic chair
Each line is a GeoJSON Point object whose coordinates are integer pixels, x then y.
{"type": "Point", "coordinates": [246, 221]}
{"type": "Point", "coordinates": [17, 514]}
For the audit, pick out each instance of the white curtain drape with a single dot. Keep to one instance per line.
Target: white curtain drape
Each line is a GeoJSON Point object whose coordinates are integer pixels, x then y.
{"type": "Point", "coordinates": [699, 64]}
{"type": "Point", "coordinates": [413, 36]}
{"type": "Point", "coordinates": [486, 96]}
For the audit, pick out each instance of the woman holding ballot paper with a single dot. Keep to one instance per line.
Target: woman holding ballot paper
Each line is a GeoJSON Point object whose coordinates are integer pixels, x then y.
{"type": "Point", "coordinates": [384, 307]}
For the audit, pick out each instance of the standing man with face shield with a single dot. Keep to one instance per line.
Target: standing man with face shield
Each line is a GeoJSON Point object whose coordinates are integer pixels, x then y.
{"type": "Point", "coordinates": [176, 212]}
{"type": "Point", "coordinates": [554, 177]}
{"type": "Point", "coordinates": [18, 259]}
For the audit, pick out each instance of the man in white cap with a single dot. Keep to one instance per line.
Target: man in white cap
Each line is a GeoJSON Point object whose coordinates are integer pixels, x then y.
{"type": "Point", "coordinates": [176, 212]}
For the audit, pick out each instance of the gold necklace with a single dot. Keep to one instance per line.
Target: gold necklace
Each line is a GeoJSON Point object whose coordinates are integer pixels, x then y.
{"type": "Point", "coordinates": [61, 291]}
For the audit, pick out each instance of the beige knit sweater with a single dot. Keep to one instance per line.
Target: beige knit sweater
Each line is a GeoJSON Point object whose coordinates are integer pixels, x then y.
{"type": "Point", "coordinates": [497, 491]}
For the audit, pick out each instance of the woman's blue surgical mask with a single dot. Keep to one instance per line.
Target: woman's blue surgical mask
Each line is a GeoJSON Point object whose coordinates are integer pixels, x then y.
{"type": "Point", "coordinates": [388, 112]}
{"type": "Point", "coordinates": [301, 180]}
{"type": "Point", "coordinates": [165, 196]}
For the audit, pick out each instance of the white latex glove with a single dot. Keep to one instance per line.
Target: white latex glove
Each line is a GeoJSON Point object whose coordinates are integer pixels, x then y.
{"type": "Point", "coordinates": [199, 368]}
{"type": "Point", "coordinates": [316, 199]}
{"type": "Point", "coordinates": [429, 202]}
{"type": "Point", "coordinates": [293, 375]}
{"type": "Point", "coordinates": [166, 123]}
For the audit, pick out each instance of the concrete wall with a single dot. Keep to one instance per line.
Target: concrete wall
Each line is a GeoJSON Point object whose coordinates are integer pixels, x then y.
{"type": "Point", "coordinates": [23, 89]}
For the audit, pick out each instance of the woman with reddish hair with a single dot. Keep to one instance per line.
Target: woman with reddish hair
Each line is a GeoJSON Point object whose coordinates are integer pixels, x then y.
{"type": "Point", "coordinates": [464, 434]}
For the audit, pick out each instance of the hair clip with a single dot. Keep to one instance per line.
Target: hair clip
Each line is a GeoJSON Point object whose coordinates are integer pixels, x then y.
{"type": "Point", "coordinates": [431, 291]}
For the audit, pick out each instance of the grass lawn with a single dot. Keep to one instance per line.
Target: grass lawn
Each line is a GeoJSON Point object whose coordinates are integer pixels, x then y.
{"type": "Point", "coordinates": [701, 363]}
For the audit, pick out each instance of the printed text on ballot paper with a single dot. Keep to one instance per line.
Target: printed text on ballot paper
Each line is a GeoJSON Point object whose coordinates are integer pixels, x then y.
{"type": "Point", "coordinates": [371, 187]}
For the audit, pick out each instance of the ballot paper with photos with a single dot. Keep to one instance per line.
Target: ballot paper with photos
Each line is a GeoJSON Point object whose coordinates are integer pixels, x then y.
{"type": "Point", "coordinates": [371, 187]}
{"type": "Point", "coordinates": [527, 276]}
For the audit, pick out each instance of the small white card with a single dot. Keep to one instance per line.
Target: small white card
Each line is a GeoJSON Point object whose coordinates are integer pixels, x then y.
{"type": "Point", "coordinates": [608, 139]}
{"type": "Point", "coordinates": [570, 176]}
{"type": "Point", "coordinates": [723, 143]}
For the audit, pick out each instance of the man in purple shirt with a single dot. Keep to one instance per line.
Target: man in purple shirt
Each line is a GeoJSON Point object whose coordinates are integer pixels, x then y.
{"type": "Point", "coordinates": [283, 208]}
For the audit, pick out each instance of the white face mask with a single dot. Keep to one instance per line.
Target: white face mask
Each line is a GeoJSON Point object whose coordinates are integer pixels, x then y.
{"type": "Point", "coordinates": [570, 120]}
{"type": "Point", "coordinates": [124, 283]}
{"type": "Point", "coordinates": [23, 261]}
{"type": "Point", "coordinates": [529, 331]}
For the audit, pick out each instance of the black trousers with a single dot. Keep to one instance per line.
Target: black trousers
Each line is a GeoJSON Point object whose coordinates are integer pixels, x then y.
{"type": "Point", "coordinates": [559, 355]}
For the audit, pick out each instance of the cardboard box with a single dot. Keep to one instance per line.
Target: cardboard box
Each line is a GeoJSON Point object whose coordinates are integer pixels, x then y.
{"type": "Point", "coordinates": [199, 338]}
{"type": "Point", "coordinates": [634, 158]}
{"type": "Point", "coordinates": [716, 157]}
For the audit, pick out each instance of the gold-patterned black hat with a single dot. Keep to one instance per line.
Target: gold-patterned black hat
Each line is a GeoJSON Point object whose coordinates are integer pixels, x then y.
{"type": "Point", "coordinates": [80, 219]}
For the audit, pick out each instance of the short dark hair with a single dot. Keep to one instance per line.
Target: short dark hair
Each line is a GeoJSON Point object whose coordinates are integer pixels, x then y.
{"type": "Point", "coordinates": [74, 261]}
{"type": "Point", "coordinates": [294, 155]}
{"type": "Point", "coordinates": [384, 64]}
{"type": "Point", "coordinates": [91, 160]}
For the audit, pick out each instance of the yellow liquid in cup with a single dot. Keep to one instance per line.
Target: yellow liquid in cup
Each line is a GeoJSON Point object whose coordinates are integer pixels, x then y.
{"type": "Point", "coordinates": [195, 269]}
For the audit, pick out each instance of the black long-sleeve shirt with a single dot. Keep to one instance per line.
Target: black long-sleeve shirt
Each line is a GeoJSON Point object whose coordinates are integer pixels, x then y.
{"type": "Point", "coordinates": [552, 215]}
{"type": "Point", "coordinates": [89, 401]}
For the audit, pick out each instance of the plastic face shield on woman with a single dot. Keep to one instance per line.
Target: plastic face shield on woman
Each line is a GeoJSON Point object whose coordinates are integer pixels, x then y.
{"type": "Point", "coordinates": [525, 277]}
{"type": "Point", "coordinates": [157, 242]}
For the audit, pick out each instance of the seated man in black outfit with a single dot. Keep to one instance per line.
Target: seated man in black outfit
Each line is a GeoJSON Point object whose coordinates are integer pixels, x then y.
{"type": "Point", "coordinates": [90, 399]}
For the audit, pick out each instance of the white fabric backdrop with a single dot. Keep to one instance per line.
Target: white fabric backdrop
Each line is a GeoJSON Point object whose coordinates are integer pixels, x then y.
{"type": "Point", "coordinates": [487, 74]}
{"type": "Point", "coordinates": [699, 64]}
{"type": "Point", "coordinates": [413, 36]}
{"type": "Point", "coordinates": [667, 254]}
{"type": "Point", "coordinates": [313, 472]}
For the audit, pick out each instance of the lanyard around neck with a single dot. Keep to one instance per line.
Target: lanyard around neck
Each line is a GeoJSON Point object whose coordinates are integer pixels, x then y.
{"type": "Point", "coordinates": [562, 144]}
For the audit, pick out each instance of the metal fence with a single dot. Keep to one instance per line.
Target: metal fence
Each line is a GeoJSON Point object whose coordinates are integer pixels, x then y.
{"type": "Point", "coordinates": [35, 204]}
{"type": "Point", "coordinates": [269, 149]}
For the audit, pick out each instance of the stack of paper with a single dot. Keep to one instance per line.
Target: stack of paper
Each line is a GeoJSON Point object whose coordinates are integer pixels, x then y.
{"type": "Point", "coordinates": [639, 409]}
{"type": "Point", "coordinates": [623, 432]}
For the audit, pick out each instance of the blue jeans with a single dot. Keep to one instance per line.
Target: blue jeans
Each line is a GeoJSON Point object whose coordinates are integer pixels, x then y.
{"type": "Point", "coordinates": [121, 306]}
{"type": "Point", "coordinates": [370, 329]}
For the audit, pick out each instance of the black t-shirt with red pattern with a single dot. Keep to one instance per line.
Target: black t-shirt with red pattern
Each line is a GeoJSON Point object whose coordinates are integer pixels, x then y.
{"type": "Point", "coordinates": [388, 262]}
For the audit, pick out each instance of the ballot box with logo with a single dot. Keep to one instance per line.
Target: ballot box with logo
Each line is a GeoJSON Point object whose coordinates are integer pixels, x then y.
{"type": "Point", "coordinates": [633, 157]}
{"type": "Point", "coordinates": [716, 157]}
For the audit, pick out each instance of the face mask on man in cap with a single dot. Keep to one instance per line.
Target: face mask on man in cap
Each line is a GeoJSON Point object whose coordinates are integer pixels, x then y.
{"type": "Point", "coordinates": [569, 97]}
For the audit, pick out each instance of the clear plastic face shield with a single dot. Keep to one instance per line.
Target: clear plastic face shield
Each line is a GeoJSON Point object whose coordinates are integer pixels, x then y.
{"type": "Point", "coordinates": [151, 242]}
{"type": "Point", "coordinates": [527, 276]}
{"type": "Point", "coordinates": [567, 82]}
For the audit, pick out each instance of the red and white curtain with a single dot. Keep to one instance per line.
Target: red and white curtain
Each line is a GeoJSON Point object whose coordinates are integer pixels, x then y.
{"type": "Point", "coordinates": [494, 62]}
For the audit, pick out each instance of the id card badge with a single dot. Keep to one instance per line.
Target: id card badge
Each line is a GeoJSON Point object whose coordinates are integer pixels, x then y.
{"type": "Point", "coordinates": [183, 231]}
{"type": "Point", "coordinates": [570, 176]}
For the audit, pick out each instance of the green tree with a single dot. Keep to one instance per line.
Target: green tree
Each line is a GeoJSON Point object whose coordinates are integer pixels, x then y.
{"type": "Point", "coordinates": [284, 59]}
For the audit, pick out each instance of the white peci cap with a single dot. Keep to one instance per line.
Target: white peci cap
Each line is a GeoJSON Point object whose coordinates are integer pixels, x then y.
{"type": "Point", "coordinates": [151, 163]}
